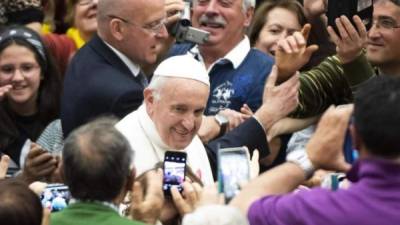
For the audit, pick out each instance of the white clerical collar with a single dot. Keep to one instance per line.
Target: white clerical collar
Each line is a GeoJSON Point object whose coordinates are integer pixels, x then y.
{"type": "Point", "coordinates": [134, 68]}
{"type": "Point", "coordinates": [235, 55]}
{"type": "Point", "coordinates": [150, 129]}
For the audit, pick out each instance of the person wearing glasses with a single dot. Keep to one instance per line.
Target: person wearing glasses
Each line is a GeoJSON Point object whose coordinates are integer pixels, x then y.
{"type": "Point", "coordinates": [29, 99]}
{"type": "Point", "coordinates": [383, 38]}
{"type": "Point", "coordinates": [105, 77]}
{"type": "Point", "coordinates": [381, 51]}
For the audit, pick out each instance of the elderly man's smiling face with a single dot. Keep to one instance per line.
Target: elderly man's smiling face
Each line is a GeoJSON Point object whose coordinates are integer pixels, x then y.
{"type": "Point", "coordinates": [177, 113]}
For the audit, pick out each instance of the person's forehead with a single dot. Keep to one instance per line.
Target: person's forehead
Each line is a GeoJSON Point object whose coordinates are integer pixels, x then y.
{"type": "Point", "coordinates": [181, 89]}
{"type": "Point", "coordinates": [386, 8]}
{"type": "Point", "coordinates": [146, 10]}
{"type": "Point", "coordinates": [283, 16]}
{"type": "Point", "coordinates": [233, 2]}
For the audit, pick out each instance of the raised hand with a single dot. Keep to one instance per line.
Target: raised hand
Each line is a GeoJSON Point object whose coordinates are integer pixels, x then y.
{"type": "Point", "coordinates": [293, 53]}
{"type": "Point", "coordinates": [39, 164]}
{"type": "Point", "coordinates": [325, 148]}
{"type": "Point", "coordinates": [189, 199]}
{"type": "Point", "coordinates": [278, 100]}
{"type": "Point", "coordinates": [146, 207]}
{"type": "Point", "coordinates": [211, 196]}
{"type": "Point", "coordinates": [235, 118]}
{"type": "Point", "coordinates": [174, 10]}
{"type": "Point", "coordinates": [349, 42]}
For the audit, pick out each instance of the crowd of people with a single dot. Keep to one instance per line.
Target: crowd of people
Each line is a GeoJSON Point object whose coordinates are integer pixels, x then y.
{"type": "Point", "coordinates": [91, 101]}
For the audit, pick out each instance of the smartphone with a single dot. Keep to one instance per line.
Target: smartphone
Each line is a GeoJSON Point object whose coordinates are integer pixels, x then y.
{"type": "Point", "coordinates": [174, 171]}
{"type": "Point", "coordinates": [233, 169]}
{"type": "Point", "coordinates": [349, 8]}
{"type": "Point", "coordinates": [55, 197]}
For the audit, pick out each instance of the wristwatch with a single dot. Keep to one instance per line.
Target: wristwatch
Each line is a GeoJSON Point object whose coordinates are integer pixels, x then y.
{"type": "Point", "coordinates": [300, 158]}
{"type": "Point", "coordinates": [223, 123]}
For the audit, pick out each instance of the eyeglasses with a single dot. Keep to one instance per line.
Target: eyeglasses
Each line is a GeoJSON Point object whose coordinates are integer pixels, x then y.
{"type": "Point", "coordinates": [27, 70]}
{"type": "Point", "coordinates": [154, 27]}
{"type": "Point", "coordinates": [385, 23]}
{"type": "Point", "coordinates": [85, 2]}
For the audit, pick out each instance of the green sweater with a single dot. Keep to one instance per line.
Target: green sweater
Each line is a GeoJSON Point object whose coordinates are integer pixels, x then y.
{"type": "Point", "coordinates": [330, 83]}
{"type": "Point", "coordinates": [84, 213]}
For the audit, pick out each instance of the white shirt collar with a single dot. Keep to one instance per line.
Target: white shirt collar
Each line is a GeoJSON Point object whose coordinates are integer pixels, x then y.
{"type": "Point", "coordinates": [134, 68]}
{"type": "Point", "coordinates": [235, 55]}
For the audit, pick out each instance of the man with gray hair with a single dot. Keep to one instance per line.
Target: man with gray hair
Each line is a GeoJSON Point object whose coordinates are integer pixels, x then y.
{"type": "Point", "coordinates": [104, 77]}
{"type": "Point", "coordinates": [97, 169]}
{"type": "Point", "coordinates": [237, 72]}
{"type": "Point", "coordinates": [172, 113]}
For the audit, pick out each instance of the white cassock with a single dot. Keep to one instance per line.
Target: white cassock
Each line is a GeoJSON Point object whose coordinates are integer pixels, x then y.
{"type": "Point", "coordinates": [149, 149]}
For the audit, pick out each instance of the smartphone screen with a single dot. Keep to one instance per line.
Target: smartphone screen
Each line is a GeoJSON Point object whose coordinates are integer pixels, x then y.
{"type": "Point", "coordinates": [233, 169]}
{"type": "Point", "coordinates": [55, 197]}
{"type": "Point", "coordinates": [174, 171]}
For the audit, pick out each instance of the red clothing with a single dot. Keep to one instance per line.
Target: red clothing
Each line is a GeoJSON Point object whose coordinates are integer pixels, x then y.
{"type": "Point", "coordinates": [62, 48]}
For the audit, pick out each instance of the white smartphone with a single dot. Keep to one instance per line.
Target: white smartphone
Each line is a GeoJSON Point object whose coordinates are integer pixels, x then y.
{"type": "Point", "coordinates": [233, 169]}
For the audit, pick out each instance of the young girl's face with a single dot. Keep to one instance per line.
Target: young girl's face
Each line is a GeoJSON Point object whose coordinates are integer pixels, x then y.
{"type": "Point", "coordinates": [19, 68]}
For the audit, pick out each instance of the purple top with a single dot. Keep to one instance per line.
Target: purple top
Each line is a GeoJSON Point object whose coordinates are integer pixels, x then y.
{"type": "Point", "coordinates": [373, 199]}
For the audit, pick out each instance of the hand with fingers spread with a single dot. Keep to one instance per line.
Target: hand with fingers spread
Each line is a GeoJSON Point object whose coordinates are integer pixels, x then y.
{"type": "Point", "coordinates": [188, 200]}
{"type": "Point", "coordinates": [278, 100]}
{"type": "Point", "coordinates": [350, 41]}
{"type": "Point", "coordinates": [325, 148]}
{"type": "Point", "coordinates": [39, 164]}
{"type": "Point", "coordinates": [293, 53]}
{"type": "Point", "coordinates": [146, 206]}
{"type": "Point", "coordinates": [3, 91]}
{"type": "Point", "coordinates": [4, 162]}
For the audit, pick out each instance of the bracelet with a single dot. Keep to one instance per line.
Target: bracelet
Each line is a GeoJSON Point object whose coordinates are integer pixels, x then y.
{"type": "Point", "coordinates": [300, 158]}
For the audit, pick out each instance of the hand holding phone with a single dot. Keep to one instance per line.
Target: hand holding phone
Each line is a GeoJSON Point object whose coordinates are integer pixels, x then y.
{"type": "Point", "coordinates": [349, 8]}
{"type": "Point", "coordinates": [55, 197]}
{"type": "Point", "coordinates": [39, 164]}
{"type": "Point", "coordinates": [174, 171]}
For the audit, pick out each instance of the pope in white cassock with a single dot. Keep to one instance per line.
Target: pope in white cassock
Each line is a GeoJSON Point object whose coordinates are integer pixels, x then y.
{"type": "Point", "coordinates": [170, 116]}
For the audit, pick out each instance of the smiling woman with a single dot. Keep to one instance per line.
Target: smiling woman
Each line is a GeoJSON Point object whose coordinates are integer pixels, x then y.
{"type": "Point", "coordinates": [29, 90]}
{"type": "Point", "coordinates": [82, 19]}
{"type": "Point", "coordinates": [273, 21]}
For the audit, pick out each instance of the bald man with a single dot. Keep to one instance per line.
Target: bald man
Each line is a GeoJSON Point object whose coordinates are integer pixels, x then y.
{"type": "Point", "coordinates": [104, 76]}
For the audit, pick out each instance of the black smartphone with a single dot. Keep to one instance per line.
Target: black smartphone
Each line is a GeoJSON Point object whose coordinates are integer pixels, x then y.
{"type": "Point", "coordinates": [174, 171]}
{"type": "Point", "coordinates": [233, 169]}
{"type": "Point", "coordinates": [55, 197]}
{"type": "Point", "coordinates": [349, 8]}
